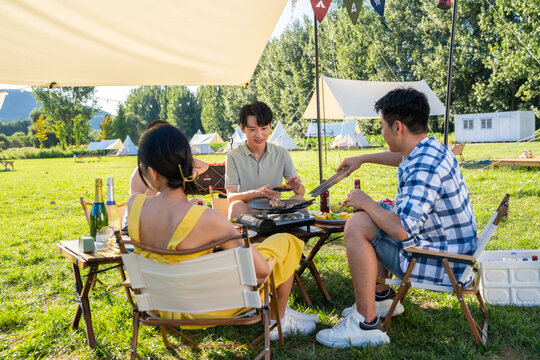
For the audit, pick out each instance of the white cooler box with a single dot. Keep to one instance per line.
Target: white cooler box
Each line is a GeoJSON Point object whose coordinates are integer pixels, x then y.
{"type": "Point", "coordinates": [510, 277]}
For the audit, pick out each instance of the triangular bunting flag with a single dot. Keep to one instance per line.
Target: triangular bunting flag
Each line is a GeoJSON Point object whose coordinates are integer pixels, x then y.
{"type": "Point", "coordinates": [378, 5]}
{"type": "Point", "coordinates": [320, 8]}
{"type": "Point", "coordinates": [353, 9]}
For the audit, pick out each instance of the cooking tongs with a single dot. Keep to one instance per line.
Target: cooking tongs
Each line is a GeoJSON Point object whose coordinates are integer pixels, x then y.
{"type": "Point", "coordinates": [334, 179]}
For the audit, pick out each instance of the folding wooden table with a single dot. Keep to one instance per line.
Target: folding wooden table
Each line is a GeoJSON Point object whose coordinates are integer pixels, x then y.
{"type": "Point", "coordinates": [322, 232]}
{"type": "Point", "coordinates": [80, 260]}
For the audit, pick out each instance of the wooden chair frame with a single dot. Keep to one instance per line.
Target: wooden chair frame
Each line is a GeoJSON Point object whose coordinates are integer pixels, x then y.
{"type": "Point", "coordinates": [262, 314]}
{"type": "Point", "coordinates": [220, 204]}
{"type": "Point", "coordinates": [121, 209]}
{"type": "Point", "coordinates": [479, 333]}
{"type": "Point", "coordinates": [457, 149]}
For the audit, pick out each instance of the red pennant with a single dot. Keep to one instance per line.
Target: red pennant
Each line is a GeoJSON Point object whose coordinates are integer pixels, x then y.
{"type": "Point", "coordinates": [320, 8]}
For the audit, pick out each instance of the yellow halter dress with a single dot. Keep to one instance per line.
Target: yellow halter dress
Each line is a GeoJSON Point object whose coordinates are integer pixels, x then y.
{"type": "Point", "coordinates": [285, 248]}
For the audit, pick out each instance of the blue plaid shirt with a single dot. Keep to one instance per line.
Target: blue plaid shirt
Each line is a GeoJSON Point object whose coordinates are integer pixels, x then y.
{"type": "Point", "coordinates": [433, 203]}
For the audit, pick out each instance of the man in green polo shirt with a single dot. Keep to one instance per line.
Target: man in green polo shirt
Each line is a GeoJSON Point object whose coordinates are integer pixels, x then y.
{"type": "Point", "coordinates": [257, 166]}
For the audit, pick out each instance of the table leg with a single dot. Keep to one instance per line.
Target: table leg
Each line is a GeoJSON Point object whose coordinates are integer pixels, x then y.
{"type": "Point", "coordinates": [302, 289]}
{"type": "Point", "coordinates": [84, 305]}
{"type": "Point", "coordinates": [319, 281]}
{"type": "Point", "coordinates": [308, 263]}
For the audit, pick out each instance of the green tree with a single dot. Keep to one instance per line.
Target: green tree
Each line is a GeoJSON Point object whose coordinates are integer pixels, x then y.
{"type": "Point", "coordinates": [148, 103]}
{"type": "Point", "coordinates": [106, 128]}
{"type": "Point", "coordinates": [81, 129]}
{"type": "Point", "coordinates": [213, 111]}
{"type": "Point", "coordinates": [120, 124]}
{"type": "Point", "coordinates": [61, 133]}
{"type": "Point", "coordinates": [42, 130]}
{"type": "Point", "coordinates": [183, 109]}
{"type": "Point", "coordinates": [63, 105]}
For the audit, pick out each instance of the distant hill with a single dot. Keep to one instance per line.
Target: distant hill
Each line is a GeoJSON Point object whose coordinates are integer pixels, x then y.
{"type": "Point", "coordinates": [97, 119]}
{"type": "Point", "coordinates": [18, 105]}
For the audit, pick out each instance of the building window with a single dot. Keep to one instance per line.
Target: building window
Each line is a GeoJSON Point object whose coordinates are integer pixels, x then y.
{"type": "Point", "coordinates": [468, 124]}
{"type": "Point", "coordinates": [486, 123]}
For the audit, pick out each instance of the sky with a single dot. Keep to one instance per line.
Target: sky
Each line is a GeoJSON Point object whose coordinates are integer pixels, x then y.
{"type": "Point", "coordinates": [109, 97]}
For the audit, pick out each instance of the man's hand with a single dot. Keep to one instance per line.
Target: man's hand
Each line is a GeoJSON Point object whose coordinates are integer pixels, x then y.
{"type": "Point", "coordinates": [352, 162]}
{"type": "Point", "coordinates": [357, 199]}
{"type": "Point", "coordinates": [294, 182]}
{"type": "Point", "coordinates": [265, 190]}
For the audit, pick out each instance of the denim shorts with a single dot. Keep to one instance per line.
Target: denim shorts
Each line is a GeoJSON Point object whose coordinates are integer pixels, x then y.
{"type": "Point", "coordinates": [387, 249]}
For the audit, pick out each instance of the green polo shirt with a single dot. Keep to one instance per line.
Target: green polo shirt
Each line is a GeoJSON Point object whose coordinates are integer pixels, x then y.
{"type": "Point", "coordinates": [243, 169]}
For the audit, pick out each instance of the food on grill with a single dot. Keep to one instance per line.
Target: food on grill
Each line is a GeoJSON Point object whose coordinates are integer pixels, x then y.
{"type": "Point", "coordinates": [283, 187]}
{"type": "Point", "coordinates": [276, 202]}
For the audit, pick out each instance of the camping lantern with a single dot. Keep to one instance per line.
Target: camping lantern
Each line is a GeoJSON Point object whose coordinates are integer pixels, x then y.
{"type": "Point", "coordinates": [444, 4]}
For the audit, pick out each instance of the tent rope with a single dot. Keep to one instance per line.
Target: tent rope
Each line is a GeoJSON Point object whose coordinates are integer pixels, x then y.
{"type": "Point", "coordinates": [378, 50]}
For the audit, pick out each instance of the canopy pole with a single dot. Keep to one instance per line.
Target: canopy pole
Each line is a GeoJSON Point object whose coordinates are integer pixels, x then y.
{"type": "Point", "coordinates": [318, 104]}
{"type": "Point", "coordinates": [449, 77]}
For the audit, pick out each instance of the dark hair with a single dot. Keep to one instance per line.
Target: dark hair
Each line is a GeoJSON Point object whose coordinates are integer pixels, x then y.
{"type": "Point", "coordinates": [156, 122]}
{"type": "Point", "coordinates": [258, 109]}
{"type": "Point", "coordinates": [164, 148]}
{"type": "Point", "coordinates": [408, 105]}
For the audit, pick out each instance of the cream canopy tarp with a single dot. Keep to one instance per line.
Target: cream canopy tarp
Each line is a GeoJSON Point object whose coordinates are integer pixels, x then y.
{"type": "Point", "coordinates": [354, 99]}
{"type": "Point", "coordinates": [133, 42]}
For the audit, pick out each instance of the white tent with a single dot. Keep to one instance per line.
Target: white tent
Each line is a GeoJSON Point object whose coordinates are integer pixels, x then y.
{"type": "Point", "coordinates": [355, 99]}
{"type": "Point", "coordinates": [349, 136]}
{"type": "Point", "coordinates": [200, 138]}
{"type": "Point", "coordinates": [183, 42]}
{"type": "Point", "coordinates": [129, 147]}
{"type": "Point", "coordinates": [200, 143]}
{"type": "Point", "coordinates": [280, 137]}
{"type": "Point", "coordinates": [113, 144]}
{"type": "Point", "coordinates": [236, 140]}
{"type": "Point", "coordinates": [327, 129]}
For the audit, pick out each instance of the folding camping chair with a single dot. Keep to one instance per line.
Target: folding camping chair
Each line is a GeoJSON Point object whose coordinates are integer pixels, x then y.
{"type": "Point", "coordinates": [221, 204]}
{"type": "Point", "coordinates": [457, 149]}
{"type": "Point", "coordinates": [480, 334]}
{"type": "Point", "coordinates": [121, 209]}
{"type": "Point", "coordinates": [218, 281]}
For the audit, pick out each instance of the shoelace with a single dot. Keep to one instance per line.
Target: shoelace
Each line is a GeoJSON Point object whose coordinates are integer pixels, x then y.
{"type": "Point", "coordinates": [344, 322]}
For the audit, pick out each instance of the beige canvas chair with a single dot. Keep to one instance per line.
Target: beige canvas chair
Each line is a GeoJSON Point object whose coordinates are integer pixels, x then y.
{"type": "Point", "coordinates": [220, 204]}
{"type": "Point", "coordinates": [457, 149]}
{"type": "Point", "coordinates": [479, 333]}
{"type": "Point", "coordinates": [218, 281]}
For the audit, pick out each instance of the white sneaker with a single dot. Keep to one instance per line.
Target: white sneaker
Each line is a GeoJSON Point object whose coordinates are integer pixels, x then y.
{"type": "Point", "coordinates": [291, 325]}
{"type": "Point", "coordinates": [301, 315]}
{"type": "Point", "coordinates": [381, 308]}
{"type": "Point", "coordinates": [351, 331]}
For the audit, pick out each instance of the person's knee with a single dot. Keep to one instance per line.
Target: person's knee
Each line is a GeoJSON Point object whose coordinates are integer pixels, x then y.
{"type": "Point", "coordinates": [359, 227]}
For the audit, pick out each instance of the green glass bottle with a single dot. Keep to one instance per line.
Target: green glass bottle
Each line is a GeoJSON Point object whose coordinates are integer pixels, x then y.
{"type": "Point", "coordinates": [98, 215]}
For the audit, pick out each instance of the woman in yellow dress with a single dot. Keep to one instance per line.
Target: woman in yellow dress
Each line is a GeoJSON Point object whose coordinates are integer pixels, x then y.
{"type": "Point", "coordinates": [169, 221]}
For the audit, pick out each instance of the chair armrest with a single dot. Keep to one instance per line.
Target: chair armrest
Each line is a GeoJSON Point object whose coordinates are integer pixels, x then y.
{"type": "Point", "coordinates": [464, 259]}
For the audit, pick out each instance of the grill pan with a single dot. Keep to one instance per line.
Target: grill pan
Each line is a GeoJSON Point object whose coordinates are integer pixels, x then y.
{"type": "Point", "coordinates": [262, 203]}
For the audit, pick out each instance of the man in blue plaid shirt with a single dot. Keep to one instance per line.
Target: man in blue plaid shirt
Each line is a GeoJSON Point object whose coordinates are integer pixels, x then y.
{"type": "Point", "coordinates": [432, 211]}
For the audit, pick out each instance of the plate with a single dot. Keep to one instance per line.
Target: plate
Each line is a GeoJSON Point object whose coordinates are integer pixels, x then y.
{"type": "Point", "coordinates": [328, 221]}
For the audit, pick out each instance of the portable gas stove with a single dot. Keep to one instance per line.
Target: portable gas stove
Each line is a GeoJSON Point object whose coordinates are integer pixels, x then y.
{"type": "Point", "coordinates": [264, 222]}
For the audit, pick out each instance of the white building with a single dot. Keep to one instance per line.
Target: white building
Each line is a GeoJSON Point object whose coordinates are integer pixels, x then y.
{"type": "Point", "coordinates": [493, 127]}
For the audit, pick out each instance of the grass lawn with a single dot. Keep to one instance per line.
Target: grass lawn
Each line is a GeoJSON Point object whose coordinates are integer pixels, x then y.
{"type": "Point", "coordinates": [39, 206]}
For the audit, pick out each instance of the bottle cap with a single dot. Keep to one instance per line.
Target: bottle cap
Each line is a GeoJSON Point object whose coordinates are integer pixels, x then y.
{"type": "Point", "coordinates": [110, 181]}
{"type": "Point", "coordinates": [98, 182]}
